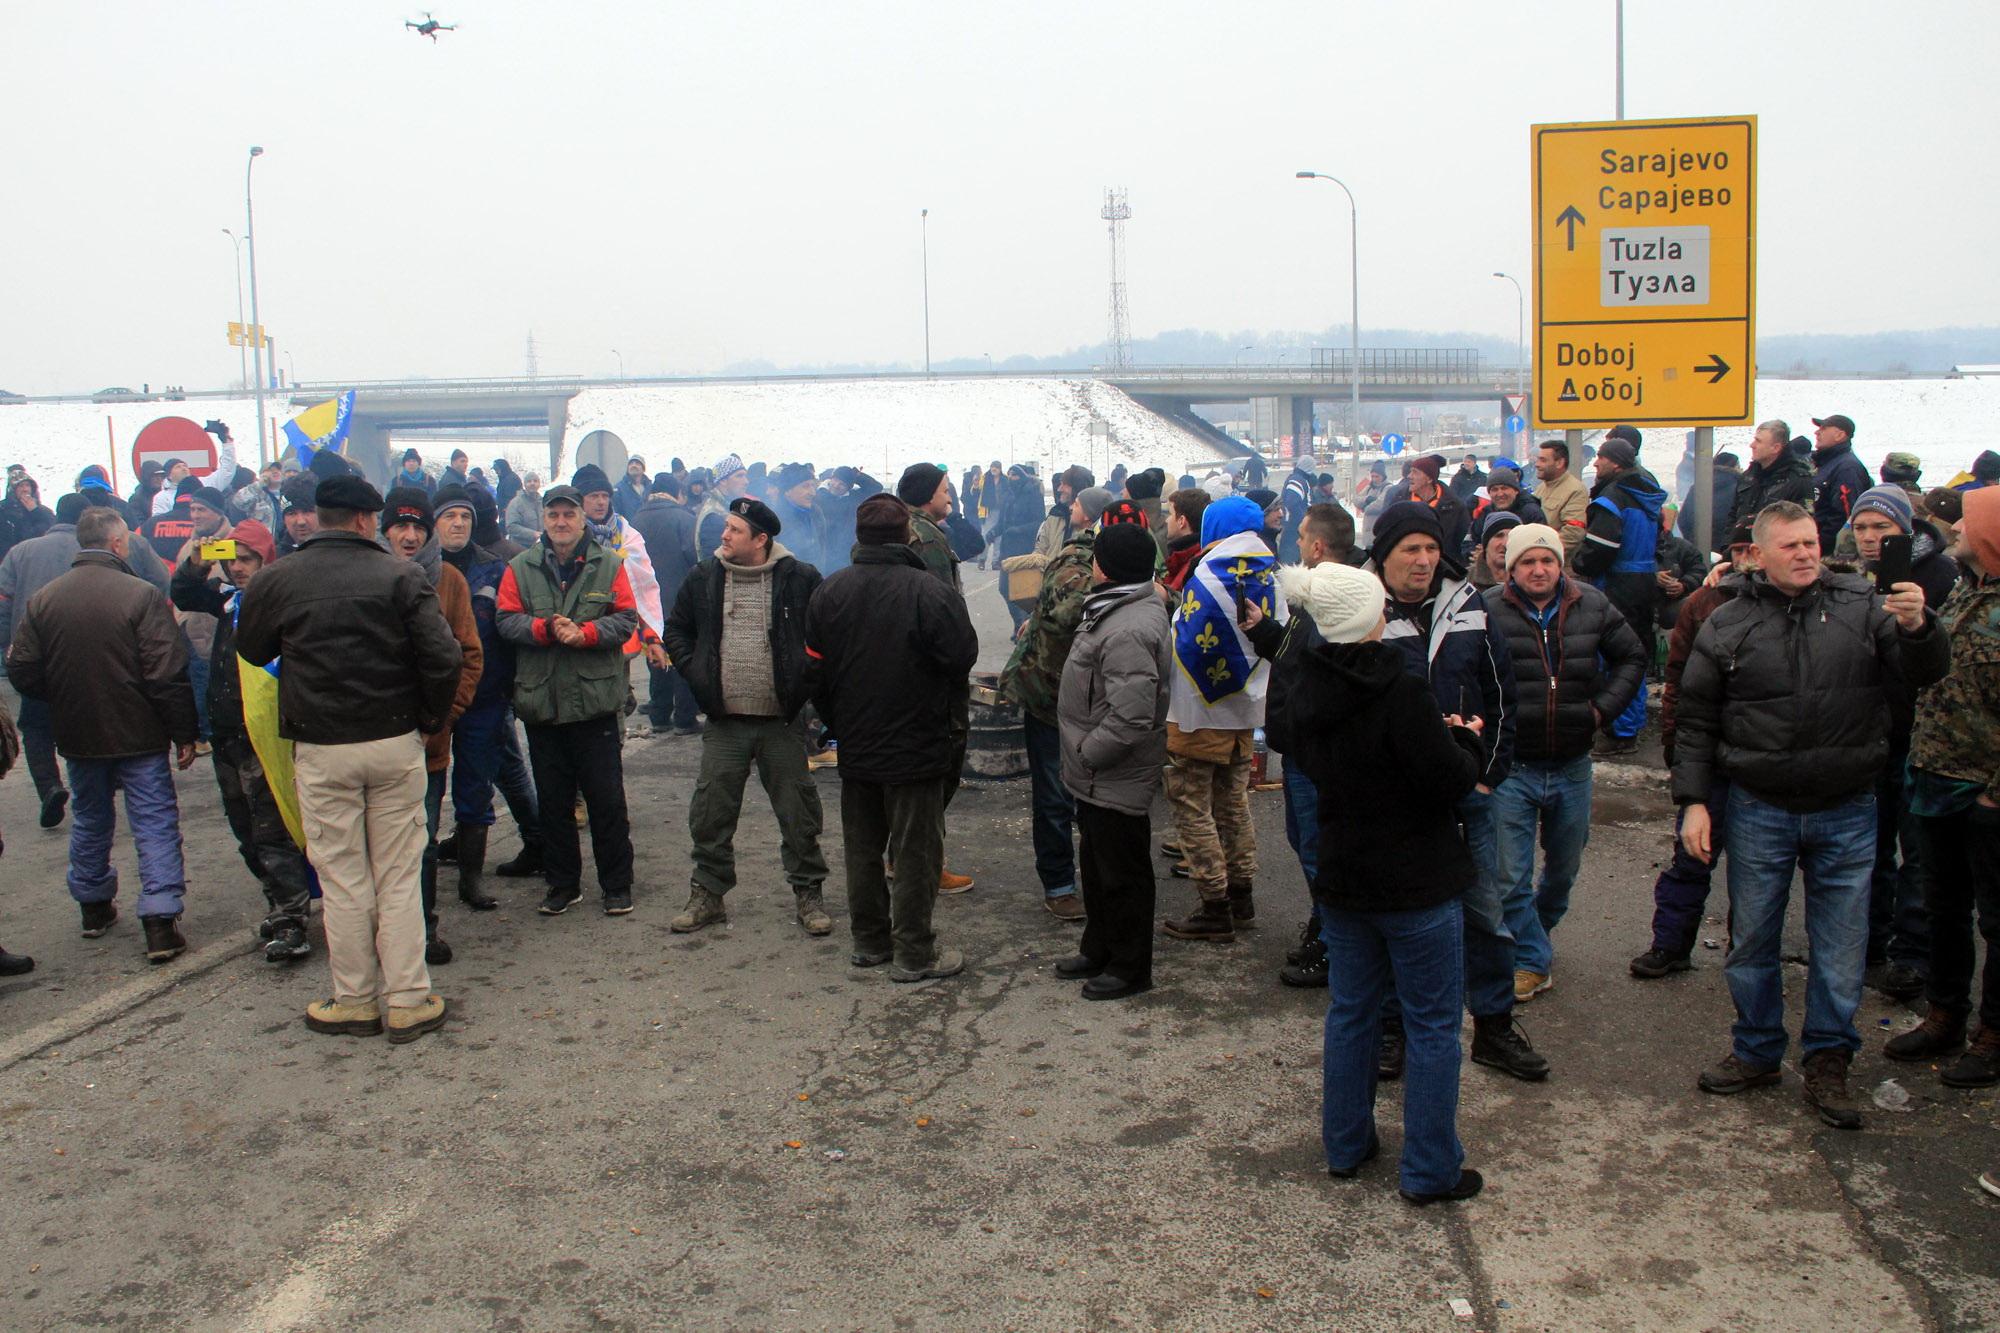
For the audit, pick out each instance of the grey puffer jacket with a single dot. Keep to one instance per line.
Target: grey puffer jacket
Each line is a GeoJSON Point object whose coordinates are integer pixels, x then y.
{"type": "Point", "coordinates": [1790, 697]}
{"type": "Point", "coordinates": [1113, 705]}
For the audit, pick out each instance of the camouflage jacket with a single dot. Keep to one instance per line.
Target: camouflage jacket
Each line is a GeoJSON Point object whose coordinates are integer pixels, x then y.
{"type": "Point", "coordinates": [1033, 675]}
{"type": "Point", "coordinates": [933, 547]}
{"type": "Point", "coordinates": [1957, 732]}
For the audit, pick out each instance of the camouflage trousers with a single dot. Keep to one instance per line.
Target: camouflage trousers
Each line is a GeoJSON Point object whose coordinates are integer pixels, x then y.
{"type": "Point", "coordinates": [1211, 804]}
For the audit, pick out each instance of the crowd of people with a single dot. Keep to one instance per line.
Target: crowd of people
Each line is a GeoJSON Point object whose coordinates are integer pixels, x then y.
{"type": "Point", "coordinates": [1438, 669]}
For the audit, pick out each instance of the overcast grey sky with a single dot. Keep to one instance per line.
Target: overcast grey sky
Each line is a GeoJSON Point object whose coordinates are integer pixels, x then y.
{"type": "Point", "coordinates": [695, 183]}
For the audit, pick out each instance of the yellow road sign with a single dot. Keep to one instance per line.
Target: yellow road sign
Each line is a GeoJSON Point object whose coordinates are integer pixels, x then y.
{"type": "Point", "coordinates": [1645, 272]}
{"type": "Point", "coordinates": [245, 335]}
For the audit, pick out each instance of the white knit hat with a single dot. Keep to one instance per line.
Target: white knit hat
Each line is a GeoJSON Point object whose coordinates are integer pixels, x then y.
{"type": "Point", "coordinates": [1345, 602]}
{"type": "Point", "coordinates": [1532, 537]}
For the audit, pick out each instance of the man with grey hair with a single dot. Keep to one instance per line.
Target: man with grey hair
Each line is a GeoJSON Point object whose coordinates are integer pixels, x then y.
{"type": "Point", "coordinates": [101, 646]}
{"type": "Point", "coordinates": [524, 511]}
{"type": "Point", "coordinates": [1775, 474]}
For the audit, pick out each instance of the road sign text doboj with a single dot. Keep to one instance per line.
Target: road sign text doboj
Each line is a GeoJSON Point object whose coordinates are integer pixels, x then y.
{"type": "Point", "coordinates": [1645, 272]}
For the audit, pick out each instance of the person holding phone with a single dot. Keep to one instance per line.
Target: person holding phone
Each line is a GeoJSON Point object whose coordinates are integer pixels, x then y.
{"type": "Point", "coordinates": [1897, 547]}
{"type": "Point", "coordinates": [1787, 696]}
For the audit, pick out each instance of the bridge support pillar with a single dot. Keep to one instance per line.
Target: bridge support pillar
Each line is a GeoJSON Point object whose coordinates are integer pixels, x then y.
{"type": "Point", "coordinates": [1274, 418]}
{"type": "Point", "coordinates": [558, 425]}
{"type": "Point", "coordinates": [368, 449]}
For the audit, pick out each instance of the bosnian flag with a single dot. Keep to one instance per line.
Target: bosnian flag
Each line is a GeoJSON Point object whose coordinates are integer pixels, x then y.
{"type": "Point", "coordinates": [322, 426]}
{"type": "Point", "coordinates": [1219, 679]}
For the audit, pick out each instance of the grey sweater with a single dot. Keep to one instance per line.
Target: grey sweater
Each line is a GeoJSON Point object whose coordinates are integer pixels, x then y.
{"type": "Point", "coordinates": [748, 686]}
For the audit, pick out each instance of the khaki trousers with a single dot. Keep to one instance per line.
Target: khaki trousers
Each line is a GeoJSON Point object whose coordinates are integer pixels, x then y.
{"type": "Point", "coordinates": [1211, 805]}
{"type": "Point", "coordinates": [363, 810]}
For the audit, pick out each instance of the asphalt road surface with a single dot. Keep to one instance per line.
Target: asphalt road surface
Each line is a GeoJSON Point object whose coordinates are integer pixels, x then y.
{"type": "Point", "coordinates": [619, 1127]}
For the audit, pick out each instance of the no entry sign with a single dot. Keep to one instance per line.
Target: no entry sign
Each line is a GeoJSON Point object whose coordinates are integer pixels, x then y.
{"type": "Point", "coordinates": [169, 438]}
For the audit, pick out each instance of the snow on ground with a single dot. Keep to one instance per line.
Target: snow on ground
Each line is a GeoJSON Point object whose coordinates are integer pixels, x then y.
{"type": "Point", "coordinates": [883, 426]}
{"type": "Point", "coordinates": [59, 440]}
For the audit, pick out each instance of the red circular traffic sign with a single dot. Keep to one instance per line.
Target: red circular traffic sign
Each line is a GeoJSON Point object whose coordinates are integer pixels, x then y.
{"type": "Point", "coordinates": [169, 438]}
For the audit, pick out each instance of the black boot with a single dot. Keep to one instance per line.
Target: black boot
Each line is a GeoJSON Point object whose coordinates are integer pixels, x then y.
{"type": "Point", "coordinates": [1209, 921]}
{"type": "Point", "coordinates": [448, 849]}
{"type": "Point", "coordinates": [1309, 969]}
{"type": "Point", "coordinates": [1242, 905]}
{"type": "Point", "coordinates": [15, 964]}
{"type": "Point", "coordinates": [1308, 936]}
{"type": "Point", "coordinates": [472, 869]}
{"type": "Point", "coordinates": [436, 951]}
{"type": "Point", "coordinates": [526, 865]}
{"type": "Point", "coordinates": [1497, 1040]}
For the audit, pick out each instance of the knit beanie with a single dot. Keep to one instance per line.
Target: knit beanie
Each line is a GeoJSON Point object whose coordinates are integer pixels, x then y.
{"type": "Point", "coordinates": [1981, 527]}
{"type": "Point", "coordinates": [1892, 502]}
{"type": "Point", "coordinates": [1503, 476]}
{"type": "Point", "coordinates": [187, 485]}
{"type": "Point", "coordinates": [1095, 500]}
{"type": "Point", "coordinates": [1227, 517]}
{"type": "Point", "coordinates": [1125, 553]}
{"type": "Point", "coordinates": [1492, 521]}
{"type": "Point", "coordinates": [1126, 512]}
{"type": "Point", "coordinates": [1986, 467]}
{"type": "Point", "coordinates": [451, 496]}
{"type": "Point", "coordinates": [1533, 537]}
{"type": "Point", "coordinates": [1945, 504]}
{"type": "Point", "coordinates": [257, 537]}
{"type": "Point", "coordinates": [728, 466]}
{"type": "Point", "coordinates": [590, 479]}
{"type": "Point", "coordinates": [406, 504]}
{"type": "Point", "coordinates": [1431, 465]}
{"type": "Point", "coordinates": [297, 493]}
{"type": "Point", "coordinates": [882, 520]}
{"type": "Point", "coordinates": [1398, 521]}
{"type": "Point", "coordinates": [1629, 434]}
{"type": "Point", "coordinates": [1344, 602]}
{"type": "Point", "coordinates": [919, 483]}
{"type": "Point", "coordinates": [208, 496]}
{"type": "Point", "coordinates": [70, 507]}
{"type": "Point", "coordinates": [1620, 450]}
{"type": "Point", "coordinates": [1146, 485]}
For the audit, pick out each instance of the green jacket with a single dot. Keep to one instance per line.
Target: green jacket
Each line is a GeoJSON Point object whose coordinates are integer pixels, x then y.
{"type": "Point", "coordinates": [1033, 675]}
{"type": "Point", "coordinates": [1957, 733]}
{"type": "Point", "coordinates": [554, 683]}
{"type": "Point", "coordinates": [933, 547]}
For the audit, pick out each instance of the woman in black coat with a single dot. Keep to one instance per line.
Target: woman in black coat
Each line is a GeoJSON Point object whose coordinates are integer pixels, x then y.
{"type": "Point", "coordinates": [1392, 870]}
{"type": "Point", "coordinates": [22, 514]}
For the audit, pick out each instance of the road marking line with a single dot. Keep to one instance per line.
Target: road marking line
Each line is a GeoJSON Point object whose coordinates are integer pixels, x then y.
{"type": "Point", "coordinates": [117, 1003]}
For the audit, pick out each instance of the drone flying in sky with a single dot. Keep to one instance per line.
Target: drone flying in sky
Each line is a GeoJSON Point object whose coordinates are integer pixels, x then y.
{"type": "Point", "coordinates": [430, 27]}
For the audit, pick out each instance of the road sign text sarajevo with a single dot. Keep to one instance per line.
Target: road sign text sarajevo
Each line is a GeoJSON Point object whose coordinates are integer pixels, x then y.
{"type": "Point", "coordinates": [1644, 271]}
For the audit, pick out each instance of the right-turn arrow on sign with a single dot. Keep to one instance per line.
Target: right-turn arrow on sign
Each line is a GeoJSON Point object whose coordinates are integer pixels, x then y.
{"type": "Point", "coordinates": [1645, 272]}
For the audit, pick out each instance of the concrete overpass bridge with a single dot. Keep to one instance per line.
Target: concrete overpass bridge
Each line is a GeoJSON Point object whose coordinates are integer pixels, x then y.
{"type": "Point", "coordinates": [1281, 396]}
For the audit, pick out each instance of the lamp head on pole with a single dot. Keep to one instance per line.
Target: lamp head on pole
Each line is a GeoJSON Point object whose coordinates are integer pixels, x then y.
{"type": "Point", "coordinates": [1306, 175]}
{"type": "Point", "coordinates": [256, 151]}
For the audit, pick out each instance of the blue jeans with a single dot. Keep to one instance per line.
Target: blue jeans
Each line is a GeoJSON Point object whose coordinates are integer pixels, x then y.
{"type": "Point", "coordinates": [1419, 958]}
{"type": "Point", "coordinates": [1302, 821]}
{"type": "Point", "coordinates": [1836, 849]}
{"type": "Point", "coordinates": [198, 671]}
{"type": "Point", "coordinates": [476, 747]}
{"type": "Point", "coordinates": [1489, 944]}
{"type": "Point", "coordinates": [517, 784]}
{"type": "Point", "coordinates": [155, 817]}
{"type": "Point", "coordinates": [1554, 794]}
{"type": "Point", "coordinates": [1054, 810]}
{"type": "Point", "coordinates": [1680, 894]}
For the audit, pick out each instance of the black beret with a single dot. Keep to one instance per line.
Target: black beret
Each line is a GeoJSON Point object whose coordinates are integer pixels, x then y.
{"type": "Point", "coordinates": [347, 492]}
{"type": "Point", "coordinates": [757, 514]}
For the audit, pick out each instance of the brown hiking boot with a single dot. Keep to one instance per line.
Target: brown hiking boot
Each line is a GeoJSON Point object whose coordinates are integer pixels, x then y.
{"type": "Point", "coordinates": [1729, 1076]}
{"type": "Point", "coordinates": [1826, 1089]}
{"type": "Point", "coordinates": [363, 1018]}
{"type": "Point", "coordinates": [1209, 921]}
{"type": "Point", "coordinates": [164, 940]}
{"type": "Point", "coordinates": [812, 912]}
{"type": "Point", "coordinates": [1979, 1067]}
{"type": "Point", "coordinates": [1941, 1033]}
{"type": "Point", "coordinates": [703, 909]}
{"type": "Point", "coordinates": [407, 1022]}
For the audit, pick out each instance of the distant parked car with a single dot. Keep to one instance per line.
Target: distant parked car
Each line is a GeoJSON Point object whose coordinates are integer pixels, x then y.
{"type": "Point", "coordinates": [8, 396]}
{"type": "Point", "coordinates": [118, 394]}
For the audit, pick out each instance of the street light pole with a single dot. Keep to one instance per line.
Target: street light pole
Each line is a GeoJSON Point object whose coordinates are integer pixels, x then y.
{"type": "Point", "coordinates": [1620, 38]}
{"type": "Point", "coordinates": [243, 346]}
{"type": "Point", "coordinates": [1354, 319]}
{"type": "Point", "coordinates": [621, 362]}
{"type": "Point", "coordinates": [256, 322]}
{"type": "Point", "coordinates": [924, 221]}
{"type": "Point", "coordinates": [1520, 333]}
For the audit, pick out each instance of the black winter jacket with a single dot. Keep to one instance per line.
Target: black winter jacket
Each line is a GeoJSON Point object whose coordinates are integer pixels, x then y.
{"type": "Point", "coordinates": [1389, 774]}
{"type": "Point", "coordinates": [668, 529]}
{"type": "Point", "coordinates": [1838, 481]}
{"type": "Point", "coordinates": [1282, 645]}
{"type": "Point", "coordinates": [367, 652]}
{"type": "Point", "coordinates": [1790, 697]}
{"type": "Point", "coordinates": [192, 591]}
{"type": "Point", "coordinates": [693, 633]}
{"type": "Point", "coordinates": [101, 646]}
{"type": "Point", "coordinates": [891, 647]}
{"type": "Point", "coordinates": [1790, 478]}
{"type": "Point", "coordinates": [1559, 674]}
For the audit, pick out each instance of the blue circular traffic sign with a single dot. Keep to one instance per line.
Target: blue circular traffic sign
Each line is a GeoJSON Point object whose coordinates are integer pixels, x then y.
{"type": "Point", "coordinates": [1392, 444]}
{"type": "Point", "coordinates": [1515, 425]}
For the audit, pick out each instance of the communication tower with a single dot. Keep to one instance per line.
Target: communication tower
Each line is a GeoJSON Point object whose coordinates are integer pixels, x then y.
{"type": "Point", "coordinates": [1114, 213]}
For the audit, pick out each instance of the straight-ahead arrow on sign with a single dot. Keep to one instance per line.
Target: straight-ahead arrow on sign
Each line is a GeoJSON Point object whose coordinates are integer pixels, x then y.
{"type": "Point", "coordinates": [1569, 217]}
